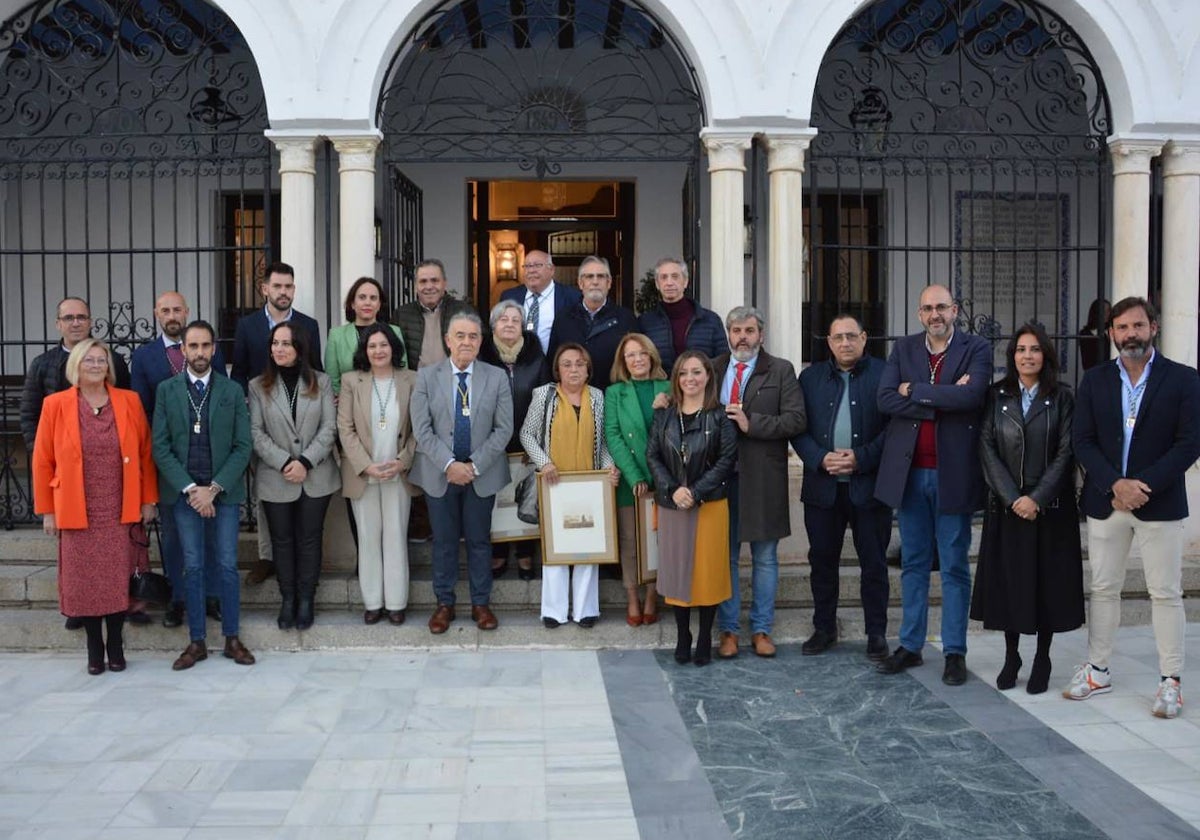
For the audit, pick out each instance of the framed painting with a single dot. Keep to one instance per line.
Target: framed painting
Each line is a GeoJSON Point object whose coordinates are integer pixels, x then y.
{"type": "Point", "coordinates": [578, 519]}
{"type": "Point", "coordinates": [506, 526]}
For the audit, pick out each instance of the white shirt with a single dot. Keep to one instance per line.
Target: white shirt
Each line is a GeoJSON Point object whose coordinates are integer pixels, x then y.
{"type": "Point", "coordinates": [545, 314]}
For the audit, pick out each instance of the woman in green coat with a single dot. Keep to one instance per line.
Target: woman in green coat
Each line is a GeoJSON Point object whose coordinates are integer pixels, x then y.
{"type": "Point", "coordinates": [364, 302]}
{"type": "Point", "coordinates": [639, 386]}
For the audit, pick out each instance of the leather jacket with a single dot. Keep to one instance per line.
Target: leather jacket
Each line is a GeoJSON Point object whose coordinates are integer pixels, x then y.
{"type": "Point", "coordinates": [712, 455]}
{"type": "Point", "coordinates": [1029, 455]}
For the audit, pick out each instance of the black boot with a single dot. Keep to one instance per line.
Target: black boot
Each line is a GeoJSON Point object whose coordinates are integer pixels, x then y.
{"type": "Point", "coordinates": [1007, 677]}
{"type": "Point", "coordinates": [683, 630]}
{"type": "Point", "coordinates": [703, 654]}
{"type": "Point", "coordinates": [304, 610]}
{"type": "Point", "coordinates": [115, 644]}
{"type": "Point", "coordinates": [287, 609]}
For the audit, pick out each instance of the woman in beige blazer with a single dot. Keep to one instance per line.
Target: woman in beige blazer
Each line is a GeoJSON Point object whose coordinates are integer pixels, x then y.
{"type": "Point", "coordinates": [377, 452]}
{"type": "Point", "coordinates": [294, 424]}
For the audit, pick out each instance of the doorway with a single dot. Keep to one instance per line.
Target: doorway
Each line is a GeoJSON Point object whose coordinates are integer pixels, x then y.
{"type": "Point", "coordinates": [569, 220]}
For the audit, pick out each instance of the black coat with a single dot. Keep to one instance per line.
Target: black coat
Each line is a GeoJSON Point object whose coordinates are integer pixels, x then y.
{"type": "Point", "coordinates": [531, 369]}
{"type": "Point", "coordinates": [712, 456]}
{"type": "Point", "coordinates": [250, 349]}
{"type": "Point", "coordinates": [1028, 455]}
{"type": "Point", "coordinates": [600, 335]}
{"type": "Point", "coordinates": [705, 333]}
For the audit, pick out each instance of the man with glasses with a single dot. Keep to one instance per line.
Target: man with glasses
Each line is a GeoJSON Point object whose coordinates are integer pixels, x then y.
{"type": "Point", "coordinates": [598, 323]}
{"type": "Point", "coordinates": [48, 375]}
{"type": "Point", "coordinates": [840, 451]}
{"type": "Point", "coordinates": [542, 299]}
{"type": "Point", "coordinates": [933, 387]}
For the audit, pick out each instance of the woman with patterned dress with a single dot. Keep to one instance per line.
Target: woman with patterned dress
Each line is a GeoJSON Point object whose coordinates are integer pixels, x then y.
{"type": "Point", "coordinates": [95, 484]}
{"type": "Point", "coordinates": [692, 452]}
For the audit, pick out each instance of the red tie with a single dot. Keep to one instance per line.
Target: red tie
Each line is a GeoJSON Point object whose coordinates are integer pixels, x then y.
{"type": "Point", "coordinates": [175, 357]}
{"type": "Point", "coordinates": [735, 393]}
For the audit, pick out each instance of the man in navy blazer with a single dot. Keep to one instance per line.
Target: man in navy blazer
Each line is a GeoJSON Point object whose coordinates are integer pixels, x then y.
{"type": "Point", "coordinates": [1136, 432]}
{"type": "Point", "coordinates": [157, 360]}
{"type": "Point", "coordinates": [542, 299]}
{"type": "Point", "coordinates": [250, 351]}
{"type": "Point", "coordinates": [933, 387]}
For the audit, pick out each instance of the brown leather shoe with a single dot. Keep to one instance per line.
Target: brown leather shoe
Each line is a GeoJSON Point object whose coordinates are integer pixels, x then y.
{"type": "Point", "coordinates": [439, 622]}
{"type": "Point", "coordinates": [193, 653]}
{"type": "Point", "coordinates": [235, 650]}
{"type": "Point", "coordinates": [396, 617]}
{"type": "Point", "coordinates": [763, 646]}
{"type": "Point", "coordinates": [260, 571]}
{"type": "Point", "coordinates": [484, 618]}
{"type": "Point", "coordinates": [729, 645]}
{"type": "Point", "coordinates": [372, 616]}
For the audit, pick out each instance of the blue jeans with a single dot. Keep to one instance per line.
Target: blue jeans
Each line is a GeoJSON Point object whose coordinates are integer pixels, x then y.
{"type": "Point", "coordinates": [920, 527]}
{"type": "Point", "coordinates": [198, 537]}
{"type": "Point", "coordinates": [172, 558]}
{"type": "Point", "coordinates": [461, 513]}
{"type": "Point", "coordinates": [764, 577]}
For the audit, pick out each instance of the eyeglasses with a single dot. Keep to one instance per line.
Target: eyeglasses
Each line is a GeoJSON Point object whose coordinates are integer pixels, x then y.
{"type": "Point", "coordinates": [845, 338]}
{"type": "Point", "coordinates": [528, 266]}
{"type": "Point", "coordinates": [941, 309]}
{"type": "Point", "coordinates": [593, 276]}
{"type": "Point", "coordinates": [74, 319]}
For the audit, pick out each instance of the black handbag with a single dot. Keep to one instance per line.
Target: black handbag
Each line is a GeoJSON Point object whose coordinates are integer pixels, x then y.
{"type": "Point", "coordinates": [144, 585]}
{"type": "Point", "coordinates": [526, 493]}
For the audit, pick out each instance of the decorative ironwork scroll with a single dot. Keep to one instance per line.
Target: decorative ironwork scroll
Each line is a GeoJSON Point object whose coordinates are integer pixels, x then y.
{"type": "Point", "coordinates": [539, 82]}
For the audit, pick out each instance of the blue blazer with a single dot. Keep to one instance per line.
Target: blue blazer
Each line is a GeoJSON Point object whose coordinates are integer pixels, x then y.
{"type": "Point", "coordinates": [822, 387]}
{"type": "Point", "coordinates": [149, 366]}
{"type": "Point", "coordinates": [1166, 437]}
{"type": "Point", "coordinates": [956, 408]}
{"type": "Point", "coordinates": [250, 345]}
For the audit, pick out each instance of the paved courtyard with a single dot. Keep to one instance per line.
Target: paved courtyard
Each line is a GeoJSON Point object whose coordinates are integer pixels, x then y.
{"type": "Point", "coordinates": [586, 744]}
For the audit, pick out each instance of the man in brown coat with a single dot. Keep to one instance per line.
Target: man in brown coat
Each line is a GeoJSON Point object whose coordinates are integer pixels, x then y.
{"type": "Point", "coordinates": [763, 399]}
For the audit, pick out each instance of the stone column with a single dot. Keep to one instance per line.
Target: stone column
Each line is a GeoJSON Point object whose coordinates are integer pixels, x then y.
{"type": "Point", "coordinates": [1181, 250]}
{"type": "Point", "coordinates": [298, 214]}
{"type": "Point", "coordinates": [727, 169]}
{"type": "Point", "coordinates": [1131, 214]}
{"type": "Point", "coordinates": [356, 210]}
{"type": "Point", "coordinates": [785, 275]}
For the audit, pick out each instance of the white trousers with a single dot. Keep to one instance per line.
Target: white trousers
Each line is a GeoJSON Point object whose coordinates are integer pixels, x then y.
{"type": "Point", "coordinates": [581, 588]}
{"type": "Point", "coordinates": [382, 517]}
{"type": "Point", "coordinates": [1161, 543]}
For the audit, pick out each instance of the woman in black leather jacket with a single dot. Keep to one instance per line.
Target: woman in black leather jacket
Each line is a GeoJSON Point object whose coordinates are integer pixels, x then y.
{"type": "Point", "coordinates": [1030, 573]}
{"type": "Point", "coordinates": [691, 452]}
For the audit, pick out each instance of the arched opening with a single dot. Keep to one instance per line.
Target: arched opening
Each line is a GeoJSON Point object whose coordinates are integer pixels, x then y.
{"type": "Point", "coordinates": [961, 142]}
{"type": "Point", "coordinates": [530, 99]}
{"type": "Point", "coordinates": [132, 161]}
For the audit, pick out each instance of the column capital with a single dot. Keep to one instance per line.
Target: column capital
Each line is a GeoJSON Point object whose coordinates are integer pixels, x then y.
{"type": "Point", "coordinates": [1131, 155]}
{"type": "Point", "coordinates": [296, 154]}
{"type": "Point", "coordinates": [726, 149]}
{"type": "Point", "coordinates": [1181, 157]}
{"type": "Point", "coordinates": [356, 152]}
{"type": "Point", "coordinates": [786, 149]}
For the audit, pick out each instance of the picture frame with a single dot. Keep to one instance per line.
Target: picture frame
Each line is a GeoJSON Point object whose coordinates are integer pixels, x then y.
{"type": "Point", "coordinates": [646, 527]}
{"type": "Point", "coordinates": [506, 527]}
{"type": "Point", "coordinates": [578, 519]}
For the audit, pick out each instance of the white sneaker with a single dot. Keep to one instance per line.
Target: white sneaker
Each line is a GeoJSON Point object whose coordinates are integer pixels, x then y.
{"type": "Point", "coordinates": [1169, 700]}
{"type": "Point", "coordinates": [1088, 681]}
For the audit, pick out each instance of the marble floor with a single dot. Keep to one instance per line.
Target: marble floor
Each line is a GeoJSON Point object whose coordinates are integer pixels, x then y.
{"type": "Point", "coordinates": [583, 744]}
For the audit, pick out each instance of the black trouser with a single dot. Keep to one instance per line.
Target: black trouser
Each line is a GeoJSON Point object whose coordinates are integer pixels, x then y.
{"type": "Point", "coordinates": [96, 646]}
{"type": "Point", "coordinates": [872, 528]}
{"type": "Point", "coordinates": [296, 531]}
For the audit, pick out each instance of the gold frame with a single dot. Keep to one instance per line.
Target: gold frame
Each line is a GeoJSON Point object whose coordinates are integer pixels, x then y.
{"type": "Point", "coordinates": [645, 511]}
{"type": "Point", "coordinates": [596, 483]}
{"type": "Point", "coordinates": [507, 528]}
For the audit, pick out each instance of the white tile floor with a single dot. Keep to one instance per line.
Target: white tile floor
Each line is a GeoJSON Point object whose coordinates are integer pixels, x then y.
{"type": "Point", "coordinates": [1160, 757]}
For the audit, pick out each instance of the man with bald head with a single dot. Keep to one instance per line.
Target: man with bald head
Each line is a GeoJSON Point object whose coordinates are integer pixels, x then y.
{"type": "Point", "coordinates": [542, 299]}
{"type": "Point", "coordinates": [157, 360]}
{"type": "Point", "coordinates": [933, 387]}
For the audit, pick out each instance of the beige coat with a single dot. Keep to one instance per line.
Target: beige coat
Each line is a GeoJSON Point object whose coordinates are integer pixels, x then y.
{"type": "Point", "coordinates": [278, 438]}
{"type": "Point", "coordinates": [355, 425]}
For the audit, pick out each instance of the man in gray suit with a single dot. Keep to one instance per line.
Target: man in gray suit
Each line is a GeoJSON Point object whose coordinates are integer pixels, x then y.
{"type": "Point", "coordinates": [462, 420]}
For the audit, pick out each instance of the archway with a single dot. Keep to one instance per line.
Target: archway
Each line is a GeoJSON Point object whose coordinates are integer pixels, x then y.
{"type": "Point", "coordinates": [961, 142]}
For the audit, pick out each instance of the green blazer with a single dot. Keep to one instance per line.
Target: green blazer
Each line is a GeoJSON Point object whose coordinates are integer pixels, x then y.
{"type": "Point", "coordinates": [340, 347]}
{"type": "Point", "coordinates": [228, 433]}
{"type": "Point", "coordinates": [627, 435]}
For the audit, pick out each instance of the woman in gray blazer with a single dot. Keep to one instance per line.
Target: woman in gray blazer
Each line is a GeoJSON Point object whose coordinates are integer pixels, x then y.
{"type": "Point", "coordinates": [293, 423]}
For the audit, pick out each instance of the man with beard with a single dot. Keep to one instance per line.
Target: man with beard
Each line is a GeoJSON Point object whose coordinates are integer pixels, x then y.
{"type": "Point", "coordinates": [1136, 432]}
{"type": "Point", "coordinates": [598, 324]}
{"type": "Point", "coordinates": [250, 352]}
{"type": "Point", "coordinates": [763, 399]}
{"type": "Point", "coordinates": [157, 360]}
{"type": "Point", "coordinates": [933, 387]}
{"type": "Point", "coordinates": [202, 447]}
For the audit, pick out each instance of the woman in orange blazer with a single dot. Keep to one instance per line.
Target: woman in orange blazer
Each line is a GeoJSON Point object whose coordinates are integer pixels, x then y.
{"type": "Point", "coordinates": [95, 484]}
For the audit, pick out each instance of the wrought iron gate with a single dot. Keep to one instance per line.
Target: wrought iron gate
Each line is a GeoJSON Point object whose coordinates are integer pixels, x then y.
{"type": "Point", "coordinates": [132, 161]}
{"type": "Point", "coordinates": [404, 231]}
{"type": "Point", "coordinates": [961, 142]}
